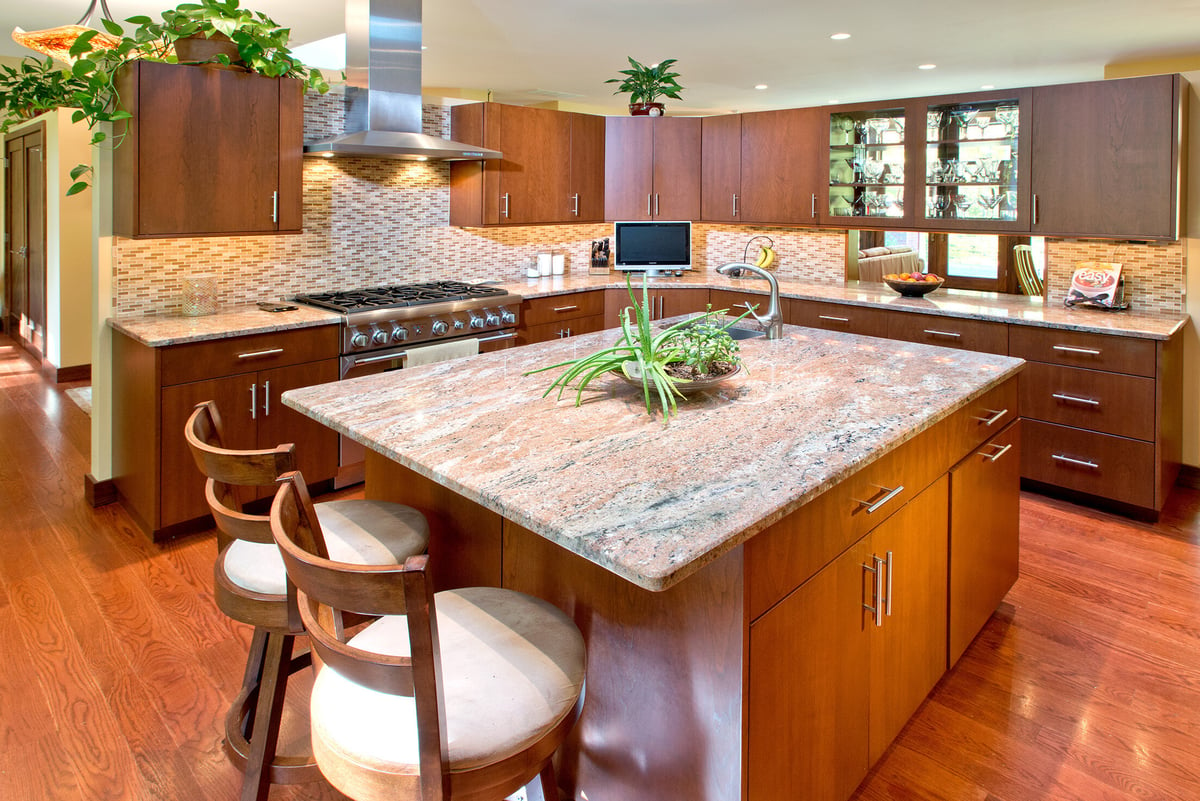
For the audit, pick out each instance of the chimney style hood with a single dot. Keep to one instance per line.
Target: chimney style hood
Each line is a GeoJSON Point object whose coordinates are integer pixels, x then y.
{"type": "Point", "coordinates": [383, 89]}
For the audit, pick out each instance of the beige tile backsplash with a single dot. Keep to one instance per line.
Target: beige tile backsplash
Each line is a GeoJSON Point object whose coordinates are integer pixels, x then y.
{"type": "Point", "coordinates": [374, 221]}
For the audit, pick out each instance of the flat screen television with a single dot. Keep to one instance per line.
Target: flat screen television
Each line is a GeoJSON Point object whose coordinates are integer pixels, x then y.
{"type": "Point", "coordinates": [652, 246]}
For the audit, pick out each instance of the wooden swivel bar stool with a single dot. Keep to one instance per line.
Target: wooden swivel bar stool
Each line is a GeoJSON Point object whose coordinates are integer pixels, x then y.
{"type": "Point", "coordinates": [251, 587]}
{"type": "Point", "coordinates": [463, 695]}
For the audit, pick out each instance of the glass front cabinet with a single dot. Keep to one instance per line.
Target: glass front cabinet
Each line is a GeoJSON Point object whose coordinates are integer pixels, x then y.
{"type": "Point", "coordinates": [869, 167]}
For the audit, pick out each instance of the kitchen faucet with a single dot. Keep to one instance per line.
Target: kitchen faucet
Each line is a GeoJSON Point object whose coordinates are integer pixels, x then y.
{"type": "Point", "coordinates": [772, 321]}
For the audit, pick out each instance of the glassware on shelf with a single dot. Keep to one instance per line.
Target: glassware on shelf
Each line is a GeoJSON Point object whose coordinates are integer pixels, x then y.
{"type": "Point", "coordinates": [940, 204]}
{"type": "Point", "coordinates": [1007, 115]}
{"type": "Point", "coordinates": [893, 172]}
{"type": "Point", "coordinates": [963, 203]}
{"type": "Point", "coordinates": [963, 117]}
{"type": "Point", "coordinates": [877, 125]}
{"type": "Point", "coordinates": [873, 170]}
{"type": "Point", "coordinates": [845, 125]}
{"type": "Point", "coordinates": [982, 122]}
{"type": "Point", "coordinates": [989, 198]}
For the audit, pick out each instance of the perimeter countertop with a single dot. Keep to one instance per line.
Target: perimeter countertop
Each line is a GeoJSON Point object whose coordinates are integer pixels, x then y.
{"type": "Point", "coordinates": [649, 502]}
{"type": "Point", "coordinates": [158, 331]}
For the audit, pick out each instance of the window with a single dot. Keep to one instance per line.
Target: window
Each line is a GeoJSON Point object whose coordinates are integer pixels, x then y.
{"type": "Point", "coordinates": [966, 261]}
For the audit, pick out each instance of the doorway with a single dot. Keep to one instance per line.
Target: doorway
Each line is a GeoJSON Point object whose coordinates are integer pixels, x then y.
{"type": "Point", "coordinates": [25, 239]}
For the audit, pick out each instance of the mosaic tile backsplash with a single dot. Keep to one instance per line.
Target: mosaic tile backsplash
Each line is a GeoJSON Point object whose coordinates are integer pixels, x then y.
{"type": "Point", "coordinates": [375, 221]}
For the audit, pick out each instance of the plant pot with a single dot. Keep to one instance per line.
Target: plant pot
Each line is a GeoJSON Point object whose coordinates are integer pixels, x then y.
{"type": "Point", "coordinates": [200, 50]}
{"type": "Point", "coordinates": [646, 109]}
{"type": "Point", "coordinates": [683, 387]}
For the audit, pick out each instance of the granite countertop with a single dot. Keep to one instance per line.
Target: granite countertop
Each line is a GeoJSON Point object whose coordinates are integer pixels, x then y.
{"type": "Point", "coordinates": [649, 502]}
{"type": "Point", "coordinates": [993, 306]}
{"type": "Point", "coordinates": [175, 329]}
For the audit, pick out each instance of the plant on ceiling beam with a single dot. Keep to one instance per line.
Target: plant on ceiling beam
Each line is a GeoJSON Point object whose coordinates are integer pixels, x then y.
{"type": "Point", "coordinates": [645, 84]}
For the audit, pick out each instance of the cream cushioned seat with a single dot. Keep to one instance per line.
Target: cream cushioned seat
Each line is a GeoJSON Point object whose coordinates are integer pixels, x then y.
{"type": "Point", "coordinates": [512, 669]}
{"type": "Point", "coordinates": [356, 531]}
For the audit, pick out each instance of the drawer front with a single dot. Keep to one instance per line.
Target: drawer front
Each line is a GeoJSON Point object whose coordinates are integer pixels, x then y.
{"type": "Point", "coordinates": [1076, 349]}
{"type": "Point", "coordinates": [196, 361]}
{"type": "Point", "coordinates": [545, 332]}
{"type": "Point", "coordinates": [949, 332]}
{"type": "Point", "coordinates": [562, 307]}
{"type": "Point", "coordinates": [837, 317]}
{"type": "Point", "coordinates": [1112, 467]}
{"type": "Point", "coordinates": [983, 417]}
{"type": "Point", "coordinates": [736, 302]}
{"type": "Point", "coordinates": [1109, 402]}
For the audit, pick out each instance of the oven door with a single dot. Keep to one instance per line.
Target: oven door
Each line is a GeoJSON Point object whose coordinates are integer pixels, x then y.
{"type": "Point", "coordinates": [350, 453]}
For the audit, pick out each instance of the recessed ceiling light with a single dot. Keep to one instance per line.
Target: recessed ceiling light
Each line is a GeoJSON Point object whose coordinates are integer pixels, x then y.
{"type": "Point", "coordinates": [760, 86]}
{"type": "Point", "coordinates": [839, 36]}
{"type": "Point", "coordinates": [988, 86]}
{"type": "Point", "coordinates": [833, 101]}
{"type": "Point", "coordinates": [927, 66]}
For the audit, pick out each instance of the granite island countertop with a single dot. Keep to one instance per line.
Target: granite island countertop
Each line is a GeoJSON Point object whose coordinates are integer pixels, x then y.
{"type": "Point", "coordinates": [649, 502]}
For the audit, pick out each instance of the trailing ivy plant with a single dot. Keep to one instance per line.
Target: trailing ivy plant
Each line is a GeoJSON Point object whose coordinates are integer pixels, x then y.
{"type": "Point", "coordinates": [33, 86]}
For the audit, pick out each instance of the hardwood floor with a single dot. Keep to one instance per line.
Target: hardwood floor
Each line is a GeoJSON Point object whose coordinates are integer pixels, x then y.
{"type": "Point", "coordinates": [118, 667]}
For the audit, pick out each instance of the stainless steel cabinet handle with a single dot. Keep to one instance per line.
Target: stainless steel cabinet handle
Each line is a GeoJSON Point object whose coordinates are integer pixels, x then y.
{"type": "Point", "coordinates": [935, 333]}
{"type": "Point", "coordinates": [266, 398]}
{"type": "Point", "coordinates": [734, 204]}
{"type": "Point", "coordinates": [872, 508]}
{"type": "Point", "coordinates": [1036, 216]}
{"type": "Point", "coordinates": [1075, 399]}
{"type": "Point", "coordinates": [257, 353]}
{"type": "Point", "coordinates": [254, 401]}
{"type": "Point", "coordinates": [274, 207]}
{"type": "Point", "coordinates": [649, 205]}
{"type": "Point", "coordinates": [814, 207]}
{"type": "Point", "coordinates": [991, 457]}
{"type": "Point", "coordinates": [887, 599]}
{"type": "Point", "coordinates": [576, 210]}
{"type": "Point", "coordinates": [1077, 462]}
{"type": "Point", "coordinates": [995, 416]}
{"type": "Point", "coordinates": [876, 605]}
{"type": "Point", "coordinates": [833, 319]}
{"type": "Point", "coordinates": [655, 204]}
{"type": "Point", "coordinates": [1068, 349]}
{"type": "Point", "coordinates": [565, 308]}
{"type": "Point", "coordinates": [509, 335]}
{"type": "Point", "coordinates": [504, 197]}
{"type": "Point", "coordinates": [568, 332]}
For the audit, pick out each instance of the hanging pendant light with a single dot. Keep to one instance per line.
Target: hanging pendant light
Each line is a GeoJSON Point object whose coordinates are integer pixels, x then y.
{"type": "Point", "coordinates": [57, 42]}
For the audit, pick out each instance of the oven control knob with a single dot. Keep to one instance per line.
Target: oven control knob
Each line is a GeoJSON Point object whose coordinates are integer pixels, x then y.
{"type": "Point", "coordinates": [476, 321]}
{"type": "Point", "coordinates": [399, 333]}
{"type": "Point", "coordinates": [379, 337]}
{"type": "Point", "coordinates": [359, 340]}
{"type": "Point", "coordinates": [439, 327]}
{"type": "Point", "coordinates": [493, 319]}
{"type": "Point", "coordinates": [507, 317]}
{"type": "Point", "coordinates": [459, 325]}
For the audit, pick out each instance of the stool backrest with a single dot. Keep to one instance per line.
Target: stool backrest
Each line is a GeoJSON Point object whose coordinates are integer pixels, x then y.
{"type": "Point", "coordinates": [1026, 272]}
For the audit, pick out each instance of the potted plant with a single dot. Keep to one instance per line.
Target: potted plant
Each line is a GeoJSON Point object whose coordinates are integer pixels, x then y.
{"type": "Point", "coordinates": [645, 84]}
{"type": "Point", "coordinates": [33, 86]}
{"type": "Point", "coordinates": [691, 354]}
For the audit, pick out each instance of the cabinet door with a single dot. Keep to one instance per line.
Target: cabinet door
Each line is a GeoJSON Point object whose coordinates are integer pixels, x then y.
{"type": "Point", "coordinates": [182, 484]}
{"type": "Point", "coordinates": [316, 443]}
{"type": "Point", "coordinates": [736, 302]}
{"type": "Point", "coordinates": [1106, 158]}
{"type": "Point", "coordinates": [721, 168]}
{"type": "Point", "coordinates": [985, 520]}
{"type": "Point", "coordinates": [808, 687]}
{"type": "Point", "coordinates": [536, 143]}
{"type": "Point", "coordinates": [781, 167]}
{"type": "Point", "coordinates": [629, 168]}
{"type": "Point", "coordinates": [676, 168]}
{"type": "Point", "coordinates": [908, 652]}
{"type": "Point", "coordinates": [213, 170]}
{"type": "Point", "coordinates": [586, 193]}
{"type": "Point", "coordinates": [683, 301]}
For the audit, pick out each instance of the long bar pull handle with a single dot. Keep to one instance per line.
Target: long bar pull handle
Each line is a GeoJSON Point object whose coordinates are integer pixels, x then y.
{"type": "Point", "coordinates": [254, 401]}
{"type": "Point", "coordinates": [649, 204]}
{"type": "Point", "coordinates": [656, 212]}
{"type": "Point", "coordinates": [504, 197]}
{"type": "Point", "coordinates": [1036, 216]}
{"type": "Point", "coordinates": [576, 209]}
{"type": "Point", "coordinates": [735, 204]}
{"type": "Point", "coordinates": [1068, 349]}
{"type": "Point", "coordinates": [872, 508]}
{"type": "Point", "coordinates": [833, 319]}
{"type": "Point", "coordinates": [257, 353]}
{"type": "Point", "coordinates": [814, 206]}
{"type": "Point", "coordinates": [876, 605]}
{"type": "Point", "coordinates": [1075, 399]}
{"type": "Point", "coordinates": [887, 599]}
{"type": "Point", "coordinates": [565, 308]}
{"type": "Point", "coordinates": [509, 335]}
{"type": "Point", "coordinates": [995, 417]}
{"type": "Point", "coordinates": [991, 457]}
{"type": "Point", "coordinates": [1077, 462]}
{"type": "Point", "coordinates": [266, 399]}
{"type": "Point", "coordinates": [275, 207]}
{"type": "Point", "coordinates": [933, 332]}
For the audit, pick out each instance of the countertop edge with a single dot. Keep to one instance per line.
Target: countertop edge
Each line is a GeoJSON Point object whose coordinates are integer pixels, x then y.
{"type": "Point", "coordinates": [157, 331]}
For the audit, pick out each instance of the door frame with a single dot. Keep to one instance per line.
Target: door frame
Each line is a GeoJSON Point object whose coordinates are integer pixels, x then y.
{"type": "Point", "coordinates": [39, 130]}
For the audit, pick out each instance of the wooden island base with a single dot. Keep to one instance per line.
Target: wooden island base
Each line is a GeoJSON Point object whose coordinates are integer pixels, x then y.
{"type": "Point", "coordinates": [785, 667]}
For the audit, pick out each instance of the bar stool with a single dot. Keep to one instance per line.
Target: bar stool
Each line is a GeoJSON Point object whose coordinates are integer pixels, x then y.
{"type": "Point", "coordinates": [251, 587]}
{"type": "Point", "coordinates": [462, 695]}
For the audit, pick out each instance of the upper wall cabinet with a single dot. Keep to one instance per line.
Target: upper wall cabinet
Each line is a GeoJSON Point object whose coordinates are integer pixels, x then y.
{"type": "Point", "coordinates": [872, 153]}
{"type": "Point", "coordinates": [781, 171]}
{"type": "Point", "coordinates": [552, 170]}
{"type": "Point", "coordinates": [652, 168]}
{"type": "Point", "coordinates": [721, 168]}
{"type": "Point", "coordinates": [1106, 158]}
{"type": "Point", "coordinates": [209, 151]}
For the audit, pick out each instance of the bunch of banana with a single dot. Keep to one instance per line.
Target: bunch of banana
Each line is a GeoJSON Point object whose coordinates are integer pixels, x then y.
{"type": "Point", "coordinates": [766, 257]}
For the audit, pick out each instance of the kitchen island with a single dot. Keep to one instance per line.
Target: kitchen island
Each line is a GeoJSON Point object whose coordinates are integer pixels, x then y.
{"type": "Point", "coordinates": [720, 566]}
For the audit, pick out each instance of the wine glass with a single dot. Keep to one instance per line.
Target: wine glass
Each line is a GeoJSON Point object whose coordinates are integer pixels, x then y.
{"type": "Point", "coordinates": [1008, 116]}
{"type": "Point", "coordinates": [873, 169]}
{"type": "Point", "coordinates": [964, 117]}
{"type": "Point", "coordinates": [982, 121]}
{"type": "Point", "coordinates": [846, 126]}
{"type": "Point", "coordinates": [986, 168]}
{"type": "Point", "coordinates": [989, 199]}
{"type": "Point", "coordinates": [878, 125]}
{"type": "Point", "coordinates": [941, 204]}
{"type": "Point", "coordinates": [963, 203]}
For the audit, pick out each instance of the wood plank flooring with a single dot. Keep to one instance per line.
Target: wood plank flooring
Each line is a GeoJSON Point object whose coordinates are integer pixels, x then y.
{"type": "Point", "coordinates": [118, 667]}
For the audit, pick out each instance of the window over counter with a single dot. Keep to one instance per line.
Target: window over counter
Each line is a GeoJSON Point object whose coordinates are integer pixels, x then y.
{"type": "Point", "coordinates": [981, 262]}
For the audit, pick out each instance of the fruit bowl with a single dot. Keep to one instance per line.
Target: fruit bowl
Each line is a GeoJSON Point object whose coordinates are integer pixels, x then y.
{"type": "Point", "coordinates": [910, 288]}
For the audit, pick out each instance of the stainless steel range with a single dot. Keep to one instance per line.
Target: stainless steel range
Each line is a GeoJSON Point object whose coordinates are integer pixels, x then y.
{"type": "Point", "coordinates": [386, 328]}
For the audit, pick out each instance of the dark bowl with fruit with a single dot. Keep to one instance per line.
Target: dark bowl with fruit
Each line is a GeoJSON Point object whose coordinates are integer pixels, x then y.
{"type": "Point", "coordinates": [913, 285]}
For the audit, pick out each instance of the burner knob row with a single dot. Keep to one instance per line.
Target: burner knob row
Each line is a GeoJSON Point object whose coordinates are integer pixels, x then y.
{"type": "Point", "coordinates": [439, 327]}
{"type": "Point", "coordinates": [360, 340]}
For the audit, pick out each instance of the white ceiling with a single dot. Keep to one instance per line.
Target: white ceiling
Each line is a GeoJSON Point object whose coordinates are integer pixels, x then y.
{"type": "Point", "coordinates": [529, 51]}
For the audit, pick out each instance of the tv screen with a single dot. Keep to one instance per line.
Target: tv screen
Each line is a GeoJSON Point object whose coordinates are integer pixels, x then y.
{"type": "Point", "coordinates": [652, 245]}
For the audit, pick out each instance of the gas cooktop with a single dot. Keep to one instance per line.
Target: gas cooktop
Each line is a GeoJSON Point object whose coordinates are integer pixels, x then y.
{"type": "Point", "coordinates": [393, 297]}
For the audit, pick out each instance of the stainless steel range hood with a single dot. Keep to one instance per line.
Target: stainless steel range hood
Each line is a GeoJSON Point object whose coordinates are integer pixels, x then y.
{"type": "Point", "coordinates": [383, 89]}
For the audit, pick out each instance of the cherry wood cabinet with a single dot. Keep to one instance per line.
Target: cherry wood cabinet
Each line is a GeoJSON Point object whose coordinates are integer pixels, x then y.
{"type": "Point", "coordinates": [155, 390]}
{"type": "Point", "coordinates": [1106, 158]}
{"type": "Point", "coordinates": [663, 303]}
{"type": "Point", "coordinates": [782, 174]}
{"type": "Point", "coordinates": [558, 316]}
{"type": "Point", "coordinates": [949, 332]}
{"type": "Point", "coordinates": [551, 172]}
{"type": "Point", "coordinates": [652, 168]}
{"type": "Point", "coordinates": [836, 317]}
{"type": "Point", "coordinates": [721, 168]}
{"type": "Point", "coordinates": [208, 152]}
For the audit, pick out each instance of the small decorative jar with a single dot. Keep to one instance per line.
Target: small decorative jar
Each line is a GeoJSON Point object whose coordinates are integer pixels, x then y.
{"type": "Point", "coordinates": [199, 296]}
